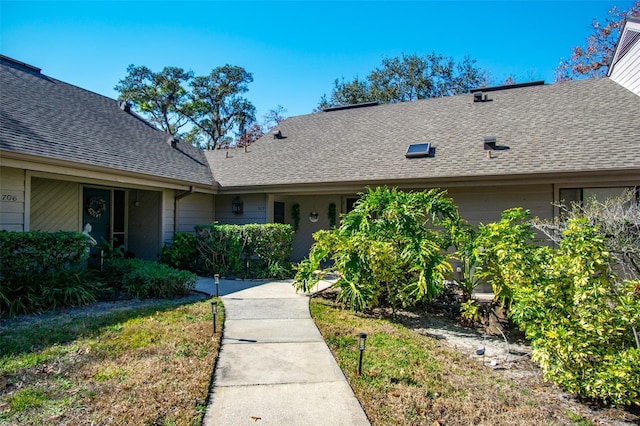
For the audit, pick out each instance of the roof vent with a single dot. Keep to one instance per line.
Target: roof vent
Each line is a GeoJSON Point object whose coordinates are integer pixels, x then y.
{"type": "Point", "coordinates": [490, 142]}
{"type": "Point", "coordinates": [278, 135]}
{"type": "Point", "coordinates": [173, 141]}
{"type": "Point", "coordinates": [480, 97]}
{"type": "Point", "coordinates": [351, 106]}
{"type": "Point", "coordinates": [418, 150]}
{"type": "Point", "coordinates": [125, 106]}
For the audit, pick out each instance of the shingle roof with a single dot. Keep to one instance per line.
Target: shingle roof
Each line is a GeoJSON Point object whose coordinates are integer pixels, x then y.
{"type": "Point", "coordinates": [576, 126]}
{"type": "Point", "coordinates": [46, 117]}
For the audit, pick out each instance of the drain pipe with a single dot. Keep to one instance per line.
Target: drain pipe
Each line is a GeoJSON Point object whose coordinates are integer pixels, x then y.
{"type": "Point", "coordinates": [177, 198]}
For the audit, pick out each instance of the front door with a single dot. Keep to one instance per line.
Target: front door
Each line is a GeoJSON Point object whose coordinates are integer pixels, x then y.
{"type": "Point", "coordinates": [96, 212]}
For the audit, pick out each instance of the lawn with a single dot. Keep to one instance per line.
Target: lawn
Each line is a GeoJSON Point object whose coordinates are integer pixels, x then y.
{"type": "Point", "coordinates": [412, 379]}
{"type": "Point", "coordinates": [143, 363]}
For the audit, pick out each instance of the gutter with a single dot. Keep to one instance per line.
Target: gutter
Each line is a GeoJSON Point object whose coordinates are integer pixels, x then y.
{"type": "Point", "coordinates": [177, 198]}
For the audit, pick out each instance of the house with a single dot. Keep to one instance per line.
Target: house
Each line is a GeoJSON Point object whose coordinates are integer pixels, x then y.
{"type": "Point", "coordinates": [70, 157]}
{"type": "Point", "coordinates": [67, 153]}
{"type": "Point", "coordinates": [524, 145]}
{"type": "Point", "coordinates": [625, 67]}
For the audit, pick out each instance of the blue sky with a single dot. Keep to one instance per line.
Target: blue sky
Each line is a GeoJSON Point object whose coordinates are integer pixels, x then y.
{"type": "Point", "coordinates": [295, 50]}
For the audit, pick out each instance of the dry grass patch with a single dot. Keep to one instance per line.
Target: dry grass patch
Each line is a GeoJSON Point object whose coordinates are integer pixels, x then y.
{"type": "Point", "coordinates": [411, 379]}
{"type": "Point", "coordinates": [147, 364]}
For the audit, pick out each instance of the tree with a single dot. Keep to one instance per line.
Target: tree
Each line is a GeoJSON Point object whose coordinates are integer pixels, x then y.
{"type": "Point", "coordinates": [255, 131]}
{"type": "Point", "coordinates": [594, 59]}
{"type": "Point", "coordinates": [160, 95]}
{"type": "Point", "coordinates": [408, 78]}
{"type": "Point", "coordinates": [273, 117]}
{"type": "Point", "coordinates": [214, 106]}
{"type": "Point", "coordinates": [217, 107]}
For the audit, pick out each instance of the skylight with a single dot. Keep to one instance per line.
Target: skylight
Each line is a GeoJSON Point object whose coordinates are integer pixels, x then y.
{"type": "Point", "coordinates": [417, 150]}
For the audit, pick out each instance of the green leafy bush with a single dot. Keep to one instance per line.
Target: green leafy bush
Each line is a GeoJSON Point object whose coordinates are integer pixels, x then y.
{"type": "Point", "coordinates": [581, 319]}
{"type": "Point", "coordinates": [146, 279]}
{"type": "Point", "coordinates": [257, 251]}
{"type": "Point", "coordinates": [42, 271]}
{"type": "Point", "coordinates": [390, 250]}
{"type": "Point", "coordinates": [181, 253]}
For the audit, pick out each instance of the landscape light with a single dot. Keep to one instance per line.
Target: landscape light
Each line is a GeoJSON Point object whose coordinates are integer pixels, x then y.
{"type": "Point", "coordinates": [214, 311]}
{"type": "Point", "coordinates": [216, 278]}
{"type": "Point", "coordinates": [362, 344]}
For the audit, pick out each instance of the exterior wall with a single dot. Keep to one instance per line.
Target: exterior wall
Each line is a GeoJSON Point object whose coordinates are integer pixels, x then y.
{"type": "Point", "coordinates": [255, 209]}
{"type": "Point", "coordinates": [168, 197]}
{"type": "Point", "coordinates": [145, 216]}
{"type": "Point", "coordinates": [12, 199]}
{"type": "Point", "coordinates": [486, 204]}
{"type": "Point", "coordinates": [626, 72]}
{"type": "Point", "coordinates": [310, 204]}
{"type": "Point", "coordinates": [55, 205]}
{"type": "Point", "coordinates": [195, 209]}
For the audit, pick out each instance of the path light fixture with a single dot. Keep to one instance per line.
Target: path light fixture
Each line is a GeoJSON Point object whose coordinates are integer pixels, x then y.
{"type": "Point", "coordinates": [362, 344]}
{"type": "Point", "coordinates": [216, 278]}
{"type": "Point", "coordinates": [214, 312]}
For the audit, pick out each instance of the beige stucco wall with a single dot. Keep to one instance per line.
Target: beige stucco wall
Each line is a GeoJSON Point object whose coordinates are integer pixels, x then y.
{"type": "Point", "coordinates": [12, 196]}
{"type": "Point", "coordinates": [55, 205]}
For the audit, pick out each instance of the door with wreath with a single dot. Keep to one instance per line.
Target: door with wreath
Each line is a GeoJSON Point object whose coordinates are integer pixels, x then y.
{"type": "Point", "coordinates": [97, 212]}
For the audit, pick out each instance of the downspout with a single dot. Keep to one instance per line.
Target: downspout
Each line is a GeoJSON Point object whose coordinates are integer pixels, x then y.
{"type": "Point", "coordinates": [175, 206]}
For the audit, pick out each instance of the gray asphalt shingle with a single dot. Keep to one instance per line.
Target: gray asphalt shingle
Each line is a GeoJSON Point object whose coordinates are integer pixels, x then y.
{"type": "Point", "coordinates": [576, 126]}
{"type": "Point", "coordinates": [43, 116]}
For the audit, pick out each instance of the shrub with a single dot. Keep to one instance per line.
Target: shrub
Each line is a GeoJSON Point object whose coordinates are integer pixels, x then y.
{"type": "Point", "coordinates": [581, 319]}
{"type": "Point", "coordinates": [181, 253]}
{"type": "Point", "coordinates": [390, 250]}
{"type": "Point", "coordinates": [42, 271]}
{"type": "Point", "coordinates": [253, 250]}
{"type": "Point", "coordinates": [146, 279]}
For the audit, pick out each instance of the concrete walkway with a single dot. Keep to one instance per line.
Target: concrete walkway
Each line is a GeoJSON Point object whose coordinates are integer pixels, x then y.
{"type": "Point", "coordinates": [274, 367]}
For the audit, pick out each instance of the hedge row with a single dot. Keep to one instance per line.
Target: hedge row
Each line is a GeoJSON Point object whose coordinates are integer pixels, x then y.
{"type": "Point", "coordinates": [245, 251]}
{"type": "Point", "coordinates": [41, 271]}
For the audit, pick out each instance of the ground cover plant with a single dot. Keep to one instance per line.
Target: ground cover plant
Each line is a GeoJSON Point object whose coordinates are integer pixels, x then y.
{"type": "Point", "coordinates": [412, 379]}
{"type": "Point", "coordinates": [130, 362]}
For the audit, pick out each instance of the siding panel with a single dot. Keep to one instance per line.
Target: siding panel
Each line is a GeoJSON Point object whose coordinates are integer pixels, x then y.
{"type": "Point", "coordinates": [195, 209]}
{"type": "Point", "coordinates": [627, 71]}
{"type": "Point", "coordinates": [12, 205]}
{"type": "Point", "coordinates": [254, 209]}
{"type": "Point", "coordinates": [55, 205]}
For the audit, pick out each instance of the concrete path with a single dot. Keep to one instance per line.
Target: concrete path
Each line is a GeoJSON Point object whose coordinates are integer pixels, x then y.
{"type": "Point", "coordinates": [274, 367]}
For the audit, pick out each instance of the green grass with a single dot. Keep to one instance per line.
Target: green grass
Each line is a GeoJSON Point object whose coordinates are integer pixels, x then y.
{"type": "Point", "coordinates": [150, 364]}
{"type": "Point", "coordinates": [411, 379]}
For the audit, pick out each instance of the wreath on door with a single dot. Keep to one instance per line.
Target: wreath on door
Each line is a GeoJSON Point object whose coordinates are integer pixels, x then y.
{"type": "Point", "coordinates": [96, 206]}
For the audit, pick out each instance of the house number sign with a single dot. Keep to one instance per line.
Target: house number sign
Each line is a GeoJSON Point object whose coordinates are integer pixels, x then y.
{"type": "Point", "coordinates": [8, 197]}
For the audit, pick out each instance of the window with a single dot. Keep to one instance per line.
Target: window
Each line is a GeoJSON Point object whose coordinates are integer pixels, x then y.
{"type": "Point", "coordinates": [569, 196]}
{"type": "Point", "coordinates": [278, 212]}
{"type": "Point", "coordinates": [418, 150]}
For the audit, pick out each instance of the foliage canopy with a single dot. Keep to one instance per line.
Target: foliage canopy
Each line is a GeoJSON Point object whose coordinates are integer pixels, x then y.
{"type": "Point", "coordinates": [407, 78]}
{"type": "Point", "coordinates": [213, 104]}
{"type": "Point", "coordinates": [594, 58]}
